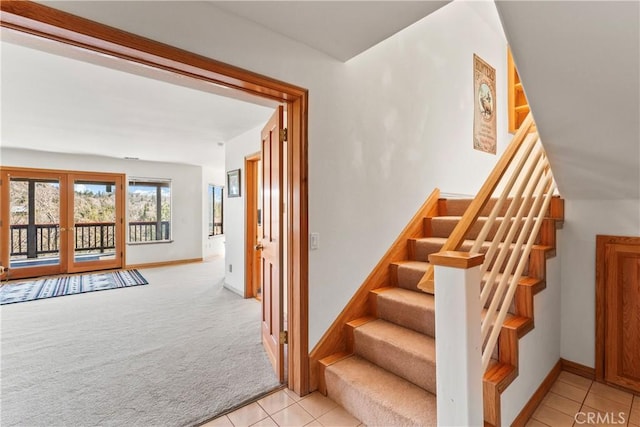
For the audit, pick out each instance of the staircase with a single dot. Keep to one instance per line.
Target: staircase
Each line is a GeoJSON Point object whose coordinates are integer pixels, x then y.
{"type": "Point", "coordinates": [386, 373]}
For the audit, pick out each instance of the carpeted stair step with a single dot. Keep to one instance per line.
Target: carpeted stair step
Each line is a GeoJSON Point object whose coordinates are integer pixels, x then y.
{"type": "Point", "coordinates": [377, 397]}
{"type": "Point", "coordinates": [421, 248]}
{"type": "Point", "coordinates": [410, 309]}
{"type": "Point", "coordinates": [457, 207]}
{"type": "Point", "coordinates": [442, 226]}
{"type": "Point", "coordinates": [407, 274]}
{"type": "Point", "coordinates": [401, 351]}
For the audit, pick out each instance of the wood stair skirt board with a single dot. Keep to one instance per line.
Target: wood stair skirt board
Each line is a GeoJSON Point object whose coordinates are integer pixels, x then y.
{"type": "Point", "coordinates": [377, 359]}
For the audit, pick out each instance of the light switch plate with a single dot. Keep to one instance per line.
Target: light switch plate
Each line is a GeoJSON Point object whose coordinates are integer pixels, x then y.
{"type": "Point", "coordinates": [314, 241]}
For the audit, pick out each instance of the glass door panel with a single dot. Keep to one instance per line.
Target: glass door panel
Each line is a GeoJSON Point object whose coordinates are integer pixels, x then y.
{"type": "Point", "coordinates": [34, 243]}
{"type": "Point", "coordinates": [96, 229]}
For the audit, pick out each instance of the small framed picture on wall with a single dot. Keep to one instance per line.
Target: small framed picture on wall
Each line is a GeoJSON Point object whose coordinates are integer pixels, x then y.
{"type": "Point", "coordinates": [233, 183]}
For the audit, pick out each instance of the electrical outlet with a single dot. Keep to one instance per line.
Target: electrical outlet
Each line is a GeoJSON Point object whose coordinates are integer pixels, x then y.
{"type": "Point", "coordinates": [230, 268]}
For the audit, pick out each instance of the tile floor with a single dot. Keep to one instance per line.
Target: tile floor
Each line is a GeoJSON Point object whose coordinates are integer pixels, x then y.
{"type": "Point", "coordinates": [285, 408]}
{"type": "Point", "coordinates": [575, 401]}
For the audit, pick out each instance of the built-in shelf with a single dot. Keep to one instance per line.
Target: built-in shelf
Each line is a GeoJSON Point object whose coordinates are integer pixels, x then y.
{"type": "Point", "coordinates": [517, 100]}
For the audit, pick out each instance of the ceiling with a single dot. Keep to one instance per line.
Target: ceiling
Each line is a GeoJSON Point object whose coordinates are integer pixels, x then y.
{"type": "Point", "coordinates": [580, 65]}
{"type": "Point", "coordinates": [341, 29]}
{"type": "Point", "coordinates": [60, 98]}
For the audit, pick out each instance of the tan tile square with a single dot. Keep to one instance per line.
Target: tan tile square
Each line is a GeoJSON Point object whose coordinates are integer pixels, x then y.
{"type": "Point", "coordinates": [222, 421]}
{"type": "Point", "coordinates": [611, 393]}
{"type": "Point", "coordinates": [552, 417]}
{"type": "Point", "coordinates": [575, 380]}
{"type": "Point", "coordinates": [592, 417]}
{"type": "Point", "coordinates": [603, 404]}
{"type": "Point", "coordinates": [338, 417]}
{"type": "Point", "coordinates": [535, 423]}
{"type": "Point", "coordinates": [275, 402]}
{"type": "Point", "coordinates": [317, 404]}
{"type": "Point", "coordinates": [314, 423]}
{"type": "Point", "coordinates": [634, 417]}
{"type": "Point", "coordinates": [247, 415]}
{"type": "Point", "coordinates": [267, 422]}
{"type": "Point", "coordinates": [292, 416]}
{"type": "Point", "coordinates": [636, 403]}
{"type": "Point", "coordinates": [292, 394]}
{"type": "Point", "coordinates": [562, 404]}
{"type": "Point", "coordinates": [569, 391]}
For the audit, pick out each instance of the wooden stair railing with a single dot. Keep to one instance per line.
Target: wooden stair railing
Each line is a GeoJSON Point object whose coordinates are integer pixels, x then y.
{"type": "Point", "coordinates": [522, 223]}
{"type": "Point", "coordinates": [458, 234]}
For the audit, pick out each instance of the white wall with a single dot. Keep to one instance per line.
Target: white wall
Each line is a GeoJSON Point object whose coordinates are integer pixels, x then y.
{"type": "Point", "coordinates": [212, 246]}
{"type": "Point", "coordinates": [584, 219]}
{"type": "Point", "coordinates": [385, 128]}
{"type": "Point", "coordinates": [539, 350]}
{"type": "Point", "coordinates": [186, 198]}
{"type": "Point", "coordinates": [236, 150]}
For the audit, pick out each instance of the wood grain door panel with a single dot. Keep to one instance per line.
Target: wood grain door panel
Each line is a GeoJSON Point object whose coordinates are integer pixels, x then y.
{"type": "Point", "coordinates": [618, 311]}
{"type": "Point", "coordinates": [272, 292]}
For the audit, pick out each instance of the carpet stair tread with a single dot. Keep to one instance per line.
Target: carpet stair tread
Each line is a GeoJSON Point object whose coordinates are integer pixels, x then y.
{"type": "Point", "coordinates": [457, 207]}
{"type": "Point", "coordinates": [402, 351]}
{"type": "Point", "coordinates": [407, 274]}
{"type": "Point", "coordinates": [410, 309]}
{"type": "Point", "coordinates": [424, 246]}
{"type": "Point", "coordinates": [377, 397]}
{"type": "Point", "coordinates": [442, 226]}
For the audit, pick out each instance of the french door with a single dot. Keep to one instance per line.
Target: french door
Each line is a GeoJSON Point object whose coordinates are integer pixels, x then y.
{"type": "Point", "coordinates": [56, 222]}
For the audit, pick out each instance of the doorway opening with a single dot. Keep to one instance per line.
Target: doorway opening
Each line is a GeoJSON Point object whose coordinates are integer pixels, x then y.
{"type": "Point", "coordinates": [52, 24]}
{"type": "Point", "coordinates": [253, 226]}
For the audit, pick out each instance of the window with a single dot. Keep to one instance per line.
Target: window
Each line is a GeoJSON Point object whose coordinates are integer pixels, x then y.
{"type": "Point", "coordinates": [149, 210]}
{"type": "Point", "coordinates": [215, 210]}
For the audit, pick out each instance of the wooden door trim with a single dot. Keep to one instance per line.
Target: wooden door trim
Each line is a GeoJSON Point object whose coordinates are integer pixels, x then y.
{"type": "Point", "coordinates": [601, 296]}
{"type": "Point", "coordinates": [50, 23]}
{"type": "Point", "coordinates": [250, 209]}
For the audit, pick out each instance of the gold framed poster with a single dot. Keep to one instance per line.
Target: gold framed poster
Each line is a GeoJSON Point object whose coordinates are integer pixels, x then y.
{"type": "Point", "coordinates": [484, 106]}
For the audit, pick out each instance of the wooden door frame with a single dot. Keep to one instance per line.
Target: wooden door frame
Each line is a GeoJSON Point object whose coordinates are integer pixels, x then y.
{"type": "Point", "coordinates": [119, 261]}
{"type": "Point", "coordinates": [5, 230]}
{"type": "Point", "coordinates": [251, 220]}
{"type": "Point", "coordinates": [65, 178]}
{"type": "Point", "coordinates": [601, 296]}
{"type": "Point", "coordinates": [53, 24]}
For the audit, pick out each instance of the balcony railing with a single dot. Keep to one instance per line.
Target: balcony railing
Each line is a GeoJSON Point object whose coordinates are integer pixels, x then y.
{"type": "Point", "coordinates": [42, 239]}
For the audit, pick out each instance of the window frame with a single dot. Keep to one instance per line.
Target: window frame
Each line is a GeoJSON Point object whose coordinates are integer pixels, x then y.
{"type": "Point", "coordinates": [211, 194]}
{"type": "Point", "coordinates": [159, 184]}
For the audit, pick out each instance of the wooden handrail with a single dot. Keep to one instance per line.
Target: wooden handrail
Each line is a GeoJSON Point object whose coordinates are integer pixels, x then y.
{"type": "Point", "coordinates": [482, 198]}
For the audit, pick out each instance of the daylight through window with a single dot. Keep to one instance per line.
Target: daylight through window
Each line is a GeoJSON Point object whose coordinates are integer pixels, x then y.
{"type": "Point", "coordinates": [215, 210]}
{"type": "Point", "coordinates": [149, 210]}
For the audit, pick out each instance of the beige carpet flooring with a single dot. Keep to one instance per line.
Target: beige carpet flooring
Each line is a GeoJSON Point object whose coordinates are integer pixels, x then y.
{"type": "Point", "coordinates": [175, 352]}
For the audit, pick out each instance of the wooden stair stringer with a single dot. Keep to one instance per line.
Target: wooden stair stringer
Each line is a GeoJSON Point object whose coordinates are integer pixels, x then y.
{"type": "Point", "coordinates": [334, 339]}
{"type": "Point", "coordinates": [502, 372]}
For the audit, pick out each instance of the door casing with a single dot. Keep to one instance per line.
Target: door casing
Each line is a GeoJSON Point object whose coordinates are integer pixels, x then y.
{"type": "Point", "coordinates": [53, 24]}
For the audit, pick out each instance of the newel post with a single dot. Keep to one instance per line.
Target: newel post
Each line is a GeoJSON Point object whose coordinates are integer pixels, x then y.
{"type": "Point", "coordinates": [458, 344]}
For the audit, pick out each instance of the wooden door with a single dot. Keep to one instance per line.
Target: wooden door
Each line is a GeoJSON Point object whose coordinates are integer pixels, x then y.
{"type": "Point", "coordinates": [271, 242]}
{"type": "Point", "coordinates": [253, 226]}
{"type": "Point", "coordinates": [34, 222]}
{"type": "Point", "coordinates": [618, 311]}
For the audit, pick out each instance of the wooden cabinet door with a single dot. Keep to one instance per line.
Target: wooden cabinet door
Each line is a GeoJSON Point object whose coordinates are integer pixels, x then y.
{"type": "Point", "coordinates": [618, 311]}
